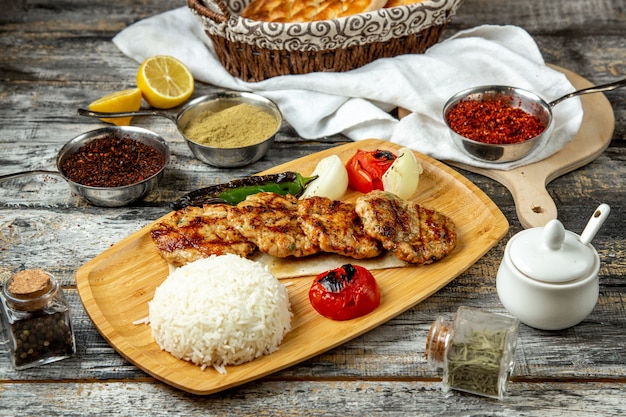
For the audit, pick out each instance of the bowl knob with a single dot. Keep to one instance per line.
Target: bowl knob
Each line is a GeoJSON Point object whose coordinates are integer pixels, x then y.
{"type": "Point", "coordinates": [553, 235]}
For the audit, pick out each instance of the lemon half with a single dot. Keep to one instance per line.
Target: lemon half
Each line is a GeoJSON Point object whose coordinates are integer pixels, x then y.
{"type": "Point", "coordinates": [164, 81]}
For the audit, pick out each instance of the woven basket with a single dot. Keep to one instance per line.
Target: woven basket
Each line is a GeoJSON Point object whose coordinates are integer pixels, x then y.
{"type": "Point", "coordinates": [254, 51]}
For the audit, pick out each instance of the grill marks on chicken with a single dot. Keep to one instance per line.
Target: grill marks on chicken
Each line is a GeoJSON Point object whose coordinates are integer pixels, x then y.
{"type": "Point", "coordinates": [414, 233]}
{"type": "Point", "coordinates": [271, 222]}
{"type": "Point", "coordinates": [193, 233]}
{"type": "Point", "coordinates": [283, 226]}
{"type": "Point", "coordinates": [335, 227]}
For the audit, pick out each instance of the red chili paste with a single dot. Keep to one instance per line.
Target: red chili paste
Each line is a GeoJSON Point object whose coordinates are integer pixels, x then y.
{"type": "Point", "coordinates": [494, 122]}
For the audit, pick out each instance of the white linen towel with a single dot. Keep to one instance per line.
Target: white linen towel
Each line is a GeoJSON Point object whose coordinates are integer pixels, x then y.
{"type": "Point", "coordinates": [357, 103]}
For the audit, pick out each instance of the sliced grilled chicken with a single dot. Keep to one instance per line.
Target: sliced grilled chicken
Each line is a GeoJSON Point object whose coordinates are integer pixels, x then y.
{"type": "Point", "coordinates": [335, 227]}
{"type": "Point", "coordinates": [414, 233]}
{"type": "Point", "coordinates": [193, 233]}
{"type": "Point", "coordinates": [270, 221]}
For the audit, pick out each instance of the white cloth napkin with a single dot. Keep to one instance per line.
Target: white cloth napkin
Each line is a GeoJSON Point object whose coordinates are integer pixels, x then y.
{"type": "Point", "coordinates": [356, 103]}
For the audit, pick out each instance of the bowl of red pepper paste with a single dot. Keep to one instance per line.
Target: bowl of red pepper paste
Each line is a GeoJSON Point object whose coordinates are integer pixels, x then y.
{"type": "Point", "coordinates": [497, 123]}
{"type": "Point", "coordinates": [114, 166]}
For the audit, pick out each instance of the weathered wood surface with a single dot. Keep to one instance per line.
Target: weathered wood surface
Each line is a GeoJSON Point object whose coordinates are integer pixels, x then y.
{"type": "Point", "coordinates": [57, 56]}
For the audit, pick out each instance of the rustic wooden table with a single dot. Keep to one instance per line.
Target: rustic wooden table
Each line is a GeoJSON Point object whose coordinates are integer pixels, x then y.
{"type": "Point", "coordinates": [58, 55]}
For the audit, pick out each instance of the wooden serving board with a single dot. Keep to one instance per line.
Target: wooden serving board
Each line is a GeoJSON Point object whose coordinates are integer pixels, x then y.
{"type": "Point", "coordinates": [116, 286]}
{"type": "Point", "coordinates": [527, 184]}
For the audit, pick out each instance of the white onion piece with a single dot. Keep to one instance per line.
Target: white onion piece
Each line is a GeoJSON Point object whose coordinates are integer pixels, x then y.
{"type": "Point", "coordinates": [402, 177]}
{"type": "Point", "coordinates": [332, 180]}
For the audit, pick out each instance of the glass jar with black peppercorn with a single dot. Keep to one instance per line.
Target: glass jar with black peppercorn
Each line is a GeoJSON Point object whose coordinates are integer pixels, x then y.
{"type": "Point", "coordinates": [36, 319]}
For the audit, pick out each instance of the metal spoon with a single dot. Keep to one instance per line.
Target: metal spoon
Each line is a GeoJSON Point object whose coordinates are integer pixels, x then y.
{"type": "Point", "coordinates": [172, 116]}
{"type": "Point", "coordinates": [32, 172]}
{"type": "Point", "coordinates": [107, 196]}
{"type": "Point", "coordinates": [222, 157]}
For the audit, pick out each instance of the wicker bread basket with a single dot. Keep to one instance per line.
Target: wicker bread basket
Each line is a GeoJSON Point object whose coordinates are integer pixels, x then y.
{"type": "Point", "coordinates": [254, 51]}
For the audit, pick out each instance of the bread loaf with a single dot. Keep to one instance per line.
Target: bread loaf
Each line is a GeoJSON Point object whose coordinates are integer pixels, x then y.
{"type": "Point", "coordinates": [289, 11]}
{"type": "Point", "coordinates": [396, 3]}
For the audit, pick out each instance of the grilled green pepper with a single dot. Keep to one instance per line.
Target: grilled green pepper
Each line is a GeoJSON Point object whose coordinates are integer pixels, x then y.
{"type": "Point", "coordinates": [237, 190]}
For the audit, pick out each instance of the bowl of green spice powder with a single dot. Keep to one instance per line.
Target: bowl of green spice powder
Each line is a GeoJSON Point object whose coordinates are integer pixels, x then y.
{"type": "Point", "coordinates": [229, 129]}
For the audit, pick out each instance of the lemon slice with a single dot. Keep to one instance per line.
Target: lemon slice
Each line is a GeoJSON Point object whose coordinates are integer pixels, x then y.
{"type": "Point", "coordinates": [402, 177]}
{"type": "Point", "coordinates": [120, 101]}
{"type": "Point", "coordinates": [164, 81]}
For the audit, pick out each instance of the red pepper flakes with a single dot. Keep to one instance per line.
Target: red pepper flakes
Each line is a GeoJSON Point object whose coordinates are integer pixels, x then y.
{"type": "Point", "coordinates": [112, 162]}
{"type": "Point", "coordinates": [494, 122]}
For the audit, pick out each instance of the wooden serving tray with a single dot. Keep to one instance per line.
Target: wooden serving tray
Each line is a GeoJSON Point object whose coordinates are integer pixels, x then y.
{"type": "Point", "coordinates": [116, 286]}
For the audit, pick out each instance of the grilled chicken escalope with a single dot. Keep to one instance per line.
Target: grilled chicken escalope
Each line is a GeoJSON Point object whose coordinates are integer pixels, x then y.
{"type": "Point", "coordinates": [283, 226]}
{"type": "Point", "coordinates": [335, 227]}
{"type": "Point", "coordinates": [415, 234]}
{"type": "Point", "coordinates": [193, 233]}
{"type": "Point", "coordinates": [271, 222]}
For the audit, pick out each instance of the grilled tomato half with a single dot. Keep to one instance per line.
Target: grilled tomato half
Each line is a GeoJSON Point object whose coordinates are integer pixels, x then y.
{"type": "Point", "coordinates": [345, 293]}
{"type": "Point", "coordinates": [366, 169]}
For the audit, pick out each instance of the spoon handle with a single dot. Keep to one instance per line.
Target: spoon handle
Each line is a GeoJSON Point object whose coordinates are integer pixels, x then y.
{"type": "Point", "coordinates": [25, 173]}
{"type": "Point", "coordinates": [100, 115]}
{"type": "Point", "coordinates": [594, 224]}
{"type": "Point", "coordinates": [595, 89]}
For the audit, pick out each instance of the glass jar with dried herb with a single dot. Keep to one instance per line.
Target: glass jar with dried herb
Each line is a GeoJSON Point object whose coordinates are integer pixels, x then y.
{"type": "Point", "coordinates": [36, 319]}
{"type": "Point", "coordinates": [475, 350]}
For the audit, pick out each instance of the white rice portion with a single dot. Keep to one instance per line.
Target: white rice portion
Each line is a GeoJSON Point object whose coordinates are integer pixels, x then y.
{"type": "Point", "coordinates": [218, 311]}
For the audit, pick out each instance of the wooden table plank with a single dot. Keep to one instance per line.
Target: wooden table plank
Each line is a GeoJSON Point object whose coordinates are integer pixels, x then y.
{"type": "Point", "coordinates": [349, 398]}
{"type": "Point", "coordinates": [58, 55]}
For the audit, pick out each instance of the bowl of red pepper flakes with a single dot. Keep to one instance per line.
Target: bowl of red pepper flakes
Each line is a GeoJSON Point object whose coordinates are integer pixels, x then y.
{"type": "Point", "coordinates": [114, 166]}
{"type": "Point", "coordinates": [497, 124]}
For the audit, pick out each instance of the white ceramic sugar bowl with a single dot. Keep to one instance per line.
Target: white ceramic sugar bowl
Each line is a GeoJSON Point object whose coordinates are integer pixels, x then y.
{"type": "Point", "coordinates": [548, 277]}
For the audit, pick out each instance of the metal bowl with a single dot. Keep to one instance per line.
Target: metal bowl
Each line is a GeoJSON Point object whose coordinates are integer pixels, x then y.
{"type": "Point", "coordinates": [115, 196]}
{"type": "Point", "coordinates": [227, 157]}
{"type": "Point", "coordinates": [515, 97]}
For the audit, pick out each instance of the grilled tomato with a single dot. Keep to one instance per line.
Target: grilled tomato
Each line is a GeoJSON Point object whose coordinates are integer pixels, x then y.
{"type": "Point", "coordinates": [345, 293]}
{"type": "Point", "coordinates": [366, 169]}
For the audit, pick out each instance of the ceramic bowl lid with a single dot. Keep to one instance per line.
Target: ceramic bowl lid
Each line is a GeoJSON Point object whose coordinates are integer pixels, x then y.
{"type": "Point", "coordinates": [551, 254]}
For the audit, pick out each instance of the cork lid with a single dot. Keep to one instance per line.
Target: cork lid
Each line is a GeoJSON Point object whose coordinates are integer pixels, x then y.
{"type": "Point", "coordinates": [437, 341]}
{"type": "Point", "coordinates": [30, 289]}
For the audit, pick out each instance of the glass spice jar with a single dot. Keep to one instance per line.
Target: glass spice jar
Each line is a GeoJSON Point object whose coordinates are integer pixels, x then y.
{"type": "Point", "coordinates": [475, 350]}
{"type": "Point", "coordinates": [36, 319]}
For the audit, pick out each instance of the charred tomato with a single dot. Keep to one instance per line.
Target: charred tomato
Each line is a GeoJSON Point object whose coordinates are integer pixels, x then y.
{"type": "Point", "coordinates": [366, 169]}
{"type": "Point", "coordinates": [345, 293]}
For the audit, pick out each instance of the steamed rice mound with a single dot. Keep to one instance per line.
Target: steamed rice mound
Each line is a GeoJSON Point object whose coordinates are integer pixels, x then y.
{"type": "Point", "coordinates": [218, 311]}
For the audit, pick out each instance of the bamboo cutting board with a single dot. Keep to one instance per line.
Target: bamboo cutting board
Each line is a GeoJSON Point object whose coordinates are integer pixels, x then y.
{"type": "Point", "coordinates": [116, 286]}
